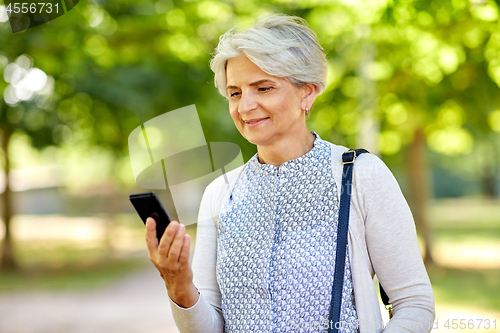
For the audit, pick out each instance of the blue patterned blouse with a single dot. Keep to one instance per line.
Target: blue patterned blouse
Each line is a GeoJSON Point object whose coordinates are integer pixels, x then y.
{"type": "Point", "coordinates": [277, 237]}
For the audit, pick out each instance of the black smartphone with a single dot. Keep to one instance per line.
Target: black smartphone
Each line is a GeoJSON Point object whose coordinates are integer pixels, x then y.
{"type": "Point", "coordinates": [149, 205]}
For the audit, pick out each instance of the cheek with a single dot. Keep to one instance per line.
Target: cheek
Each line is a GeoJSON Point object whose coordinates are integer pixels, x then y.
{"type": "Point", "coordinates": [233, 111]}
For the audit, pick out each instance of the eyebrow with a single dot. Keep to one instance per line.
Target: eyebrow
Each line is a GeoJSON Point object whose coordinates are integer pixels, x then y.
{"type": "Point", "coordinates": [256, 83]}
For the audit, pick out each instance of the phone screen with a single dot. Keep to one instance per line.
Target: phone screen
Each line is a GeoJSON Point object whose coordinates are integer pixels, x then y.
{"type": "Point", "coordinates": [149, 205]}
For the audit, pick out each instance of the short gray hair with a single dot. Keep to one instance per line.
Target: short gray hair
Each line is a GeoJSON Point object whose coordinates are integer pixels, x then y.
{"type": "Point", "coordinates": [280, 45]}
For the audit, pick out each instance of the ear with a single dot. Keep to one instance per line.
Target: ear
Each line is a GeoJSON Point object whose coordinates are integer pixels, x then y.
{"type": "Point", "coordinates": [309, 93]}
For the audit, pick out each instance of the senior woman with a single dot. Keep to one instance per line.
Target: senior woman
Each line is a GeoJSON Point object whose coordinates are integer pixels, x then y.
{"type": "Point", "coordinates": [265, 249]}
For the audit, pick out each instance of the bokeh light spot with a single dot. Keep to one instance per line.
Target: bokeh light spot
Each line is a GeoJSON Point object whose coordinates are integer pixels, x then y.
{"type": "Point", "coordinates": [155, 137]}
{"type": "Point", "coordinates": [487, 12]}
{"type": "Point", "coordinates": [494, 120]}
{"type": "Point", "coordinates": [389, 142]}
{"type": "Point", "coordinates": [396, 114]}
{"type": "Point", "coordinates": [451, 141]}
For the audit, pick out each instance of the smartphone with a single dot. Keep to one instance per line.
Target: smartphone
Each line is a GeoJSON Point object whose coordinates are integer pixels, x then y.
{"type": "Point", "coordinates": [149, 205]}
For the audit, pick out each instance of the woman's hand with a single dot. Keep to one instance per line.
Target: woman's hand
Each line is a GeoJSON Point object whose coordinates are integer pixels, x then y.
{"type": "Point", "coordinates": [171, 258]}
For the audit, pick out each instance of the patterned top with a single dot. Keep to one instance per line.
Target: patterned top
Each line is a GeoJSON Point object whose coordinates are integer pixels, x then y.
{"type": "Point", "coordinates": [277, 237]}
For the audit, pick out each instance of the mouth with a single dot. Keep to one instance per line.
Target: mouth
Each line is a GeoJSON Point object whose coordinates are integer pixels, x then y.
{"type": "Point", "coordinates": [256, 121]}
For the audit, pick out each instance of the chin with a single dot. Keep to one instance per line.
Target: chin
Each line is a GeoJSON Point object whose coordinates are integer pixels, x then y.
{"type": "Point", "coordinates": [257, 140]}
{"type": "Point", "coordinates": [252, 139]}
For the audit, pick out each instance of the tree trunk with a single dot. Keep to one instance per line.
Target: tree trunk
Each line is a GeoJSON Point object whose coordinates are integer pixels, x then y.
{"type": "Point", "coordinates": [489, 182]}
{"type": "Point", "coordinates": [418, 186]}
{"type": "Point", "coordinates": [8, 261]}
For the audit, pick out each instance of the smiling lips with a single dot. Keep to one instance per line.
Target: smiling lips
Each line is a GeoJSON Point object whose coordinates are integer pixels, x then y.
{"type": "Point", "coordinates": [255, 122]}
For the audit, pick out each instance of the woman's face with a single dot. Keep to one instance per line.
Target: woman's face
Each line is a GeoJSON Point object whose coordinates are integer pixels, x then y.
{"type": "Point", "coordinates": [266, 109]}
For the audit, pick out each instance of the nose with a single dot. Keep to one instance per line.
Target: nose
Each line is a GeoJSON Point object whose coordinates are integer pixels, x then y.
{"type": "Point", "coordinates": [247, 102]}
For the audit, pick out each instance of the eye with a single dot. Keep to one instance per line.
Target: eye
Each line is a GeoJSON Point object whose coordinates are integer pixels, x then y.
{"type": "Point", "coordinates": [234, 94]}
{"type": "Point", "coordinates": [264, 89]}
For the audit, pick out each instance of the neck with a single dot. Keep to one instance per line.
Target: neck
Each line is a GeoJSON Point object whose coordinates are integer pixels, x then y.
{"type": "Point", "coordinates": [286, 149]}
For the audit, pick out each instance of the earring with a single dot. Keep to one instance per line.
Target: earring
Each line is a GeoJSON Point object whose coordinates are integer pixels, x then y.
{"type": "Point", "coordinates": [307, 111]}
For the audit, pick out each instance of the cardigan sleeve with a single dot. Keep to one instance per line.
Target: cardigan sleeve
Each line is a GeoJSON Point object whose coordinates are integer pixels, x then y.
{"type": "Point", "coordinates": [393, 249]}
{"type": "Point", "coordinates": [206, 315]}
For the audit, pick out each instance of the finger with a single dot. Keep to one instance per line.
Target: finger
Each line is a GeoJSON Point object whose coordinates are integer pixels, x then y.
{"type": "Point", "coordinates": [151, 240]}
{"type": "Point", "coordinates": [185, 251]}
{"type": "Point", "coordinates": [175, 249]}
{"type": "Point", "coordinates": [167, 238]}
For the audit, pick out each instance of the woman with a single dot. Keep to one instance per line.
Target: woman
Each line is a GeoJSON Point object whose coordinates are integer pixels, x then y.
{"type": "Point", "coordinates": [265, 248]}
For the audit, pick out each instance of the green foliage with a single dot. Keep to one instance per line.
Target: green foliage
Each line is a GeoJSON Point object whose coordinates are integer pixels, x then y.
{"type": "Point", "coordinates": [116, 64]}
{"type": "Point", "coordinates": [433, 66]}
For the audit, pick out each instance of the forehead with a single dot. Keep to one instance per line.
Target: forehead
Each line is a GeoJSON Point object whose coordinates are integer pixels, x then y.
{"type": "Point", "coordinates": [241, 70]}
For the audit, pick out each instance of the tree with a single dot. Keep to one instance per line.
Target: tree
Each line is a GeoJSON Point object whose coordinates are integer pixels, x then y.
{"type": "Point", "coordinates": [436, 75]}
{"type": "Point", "coordinates": [426, 73]}
{"type": "Point", "coordinates": [26, 83]}
{"type": "Point", "coordinates": [119, 65]}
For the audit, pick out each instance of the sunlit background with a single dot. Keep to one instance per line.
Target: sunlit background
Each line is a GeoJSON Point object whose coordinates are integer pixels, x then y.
{"type": "Point", "coordinates": [415, 82]}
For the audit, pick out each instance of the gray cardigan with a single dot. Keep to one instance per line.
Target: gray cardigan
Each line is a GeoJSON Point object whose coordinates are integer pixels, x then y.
{"type": "Point", "coordinates": [382, 240]}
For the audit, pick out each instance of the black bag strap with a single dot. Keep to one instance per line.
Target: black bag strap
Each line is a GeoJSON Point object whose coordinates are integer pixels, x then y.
{"type": "Point", "coordinates": [385, 298]}
{"type": "Point", "coordinates": [348, 159]}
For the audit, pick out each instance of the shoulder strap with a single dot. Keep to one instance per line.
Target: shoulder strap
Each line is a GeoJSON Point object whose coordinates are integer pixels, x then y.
{"type": "Point", "coordinates": [348, 158]}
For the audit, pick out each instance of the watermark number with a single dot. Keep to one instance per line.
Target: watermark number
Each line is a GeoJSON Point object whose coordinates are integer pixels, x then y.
{"type": "Point", "coordinates": [32, 8]}
{"type": "Point", "coordinates": [26, 14]}
{"type": "Point", "coordinates": [470, 324]}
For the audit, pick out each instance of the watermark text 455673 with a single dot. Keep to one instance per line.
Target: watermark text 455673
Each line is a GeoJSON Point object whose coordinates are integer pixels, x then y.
{"type": "Point", "coordinates": [25, 14]}
{"type": "Point", "coordinates": [32, 8]}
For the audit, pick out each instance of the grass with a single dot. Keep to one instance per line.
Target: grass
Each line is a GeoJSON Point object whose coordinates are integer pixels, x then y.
{"type": "Point", "coordinates": [471, 230]}
{"type": "Point", "coordinates": [468, 288]}
{"type": "Point", "coordinates": [78, 275]}
{"type": "Point", "coordinates": [52, 254]}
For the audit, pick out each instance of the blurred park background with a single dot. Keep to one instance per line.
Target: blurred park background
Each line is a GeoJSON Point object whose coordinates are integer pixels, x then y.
{"type": "Point", "coordinates": [415, 82]}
